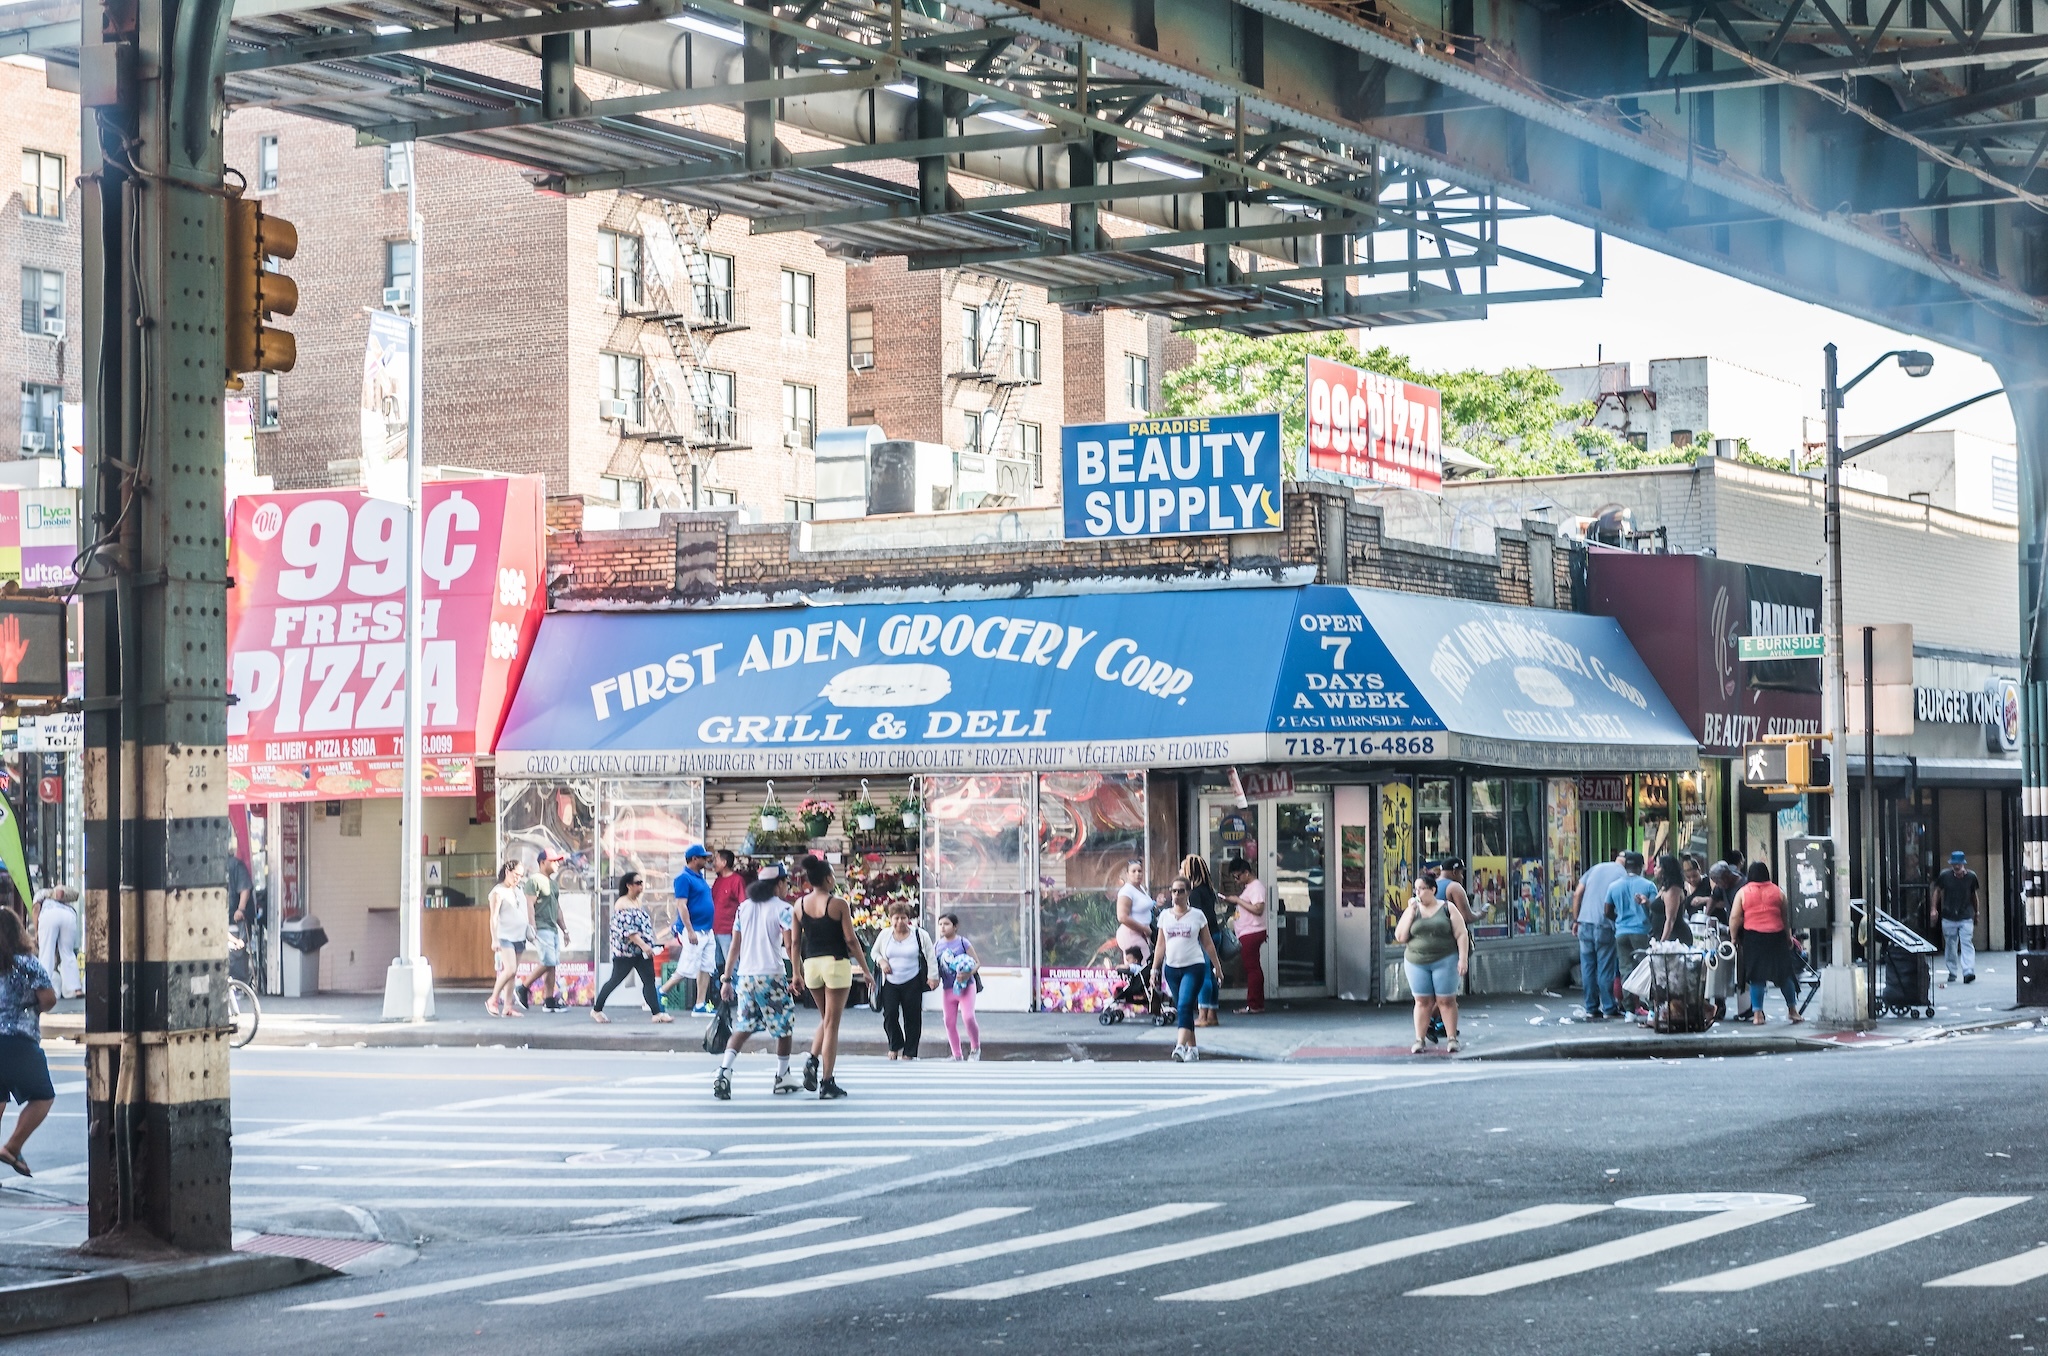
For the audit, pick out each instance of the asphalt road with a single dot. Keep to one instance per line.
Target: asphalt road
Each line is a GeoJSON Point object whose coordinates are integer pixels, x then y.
{"type": "Point", "coordinates": [1143, 1208]}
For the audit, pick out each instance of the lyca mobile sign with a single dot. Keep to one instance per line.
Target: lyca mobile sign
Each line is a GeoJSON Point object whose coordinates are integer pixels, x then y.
{"type": "Point", "coordinates": [1171, 477]}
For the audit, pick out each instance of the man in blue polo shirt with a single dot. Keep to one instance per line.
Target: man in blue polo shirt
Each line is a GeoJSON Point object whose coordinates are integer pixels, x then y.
{"type": "Point", "coordinates": [1626, 902]}
{"type": "Point", "coordinates": [694, 916]}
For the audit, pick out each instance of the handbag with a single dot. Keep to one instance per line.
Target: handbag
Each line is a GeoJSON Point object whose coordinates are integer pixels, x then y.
{"type": "Point", "coordinates": [718, 1034]}
{"type": "Point", "coordinates": [1228, 948]}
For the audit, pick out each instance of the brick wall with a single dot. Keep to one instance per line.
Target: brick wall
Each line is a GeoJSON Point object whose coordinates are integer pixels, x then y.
{"type": "Point", "coordinates": [636, 567]}
{"type": "Point", "coordinates": [38, 119]}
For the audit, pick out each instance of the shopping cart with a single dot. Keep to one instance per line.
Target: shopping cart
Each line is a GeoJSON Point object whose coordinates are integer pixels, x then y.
{"type": "Point", "coordinates": [1904, 988]}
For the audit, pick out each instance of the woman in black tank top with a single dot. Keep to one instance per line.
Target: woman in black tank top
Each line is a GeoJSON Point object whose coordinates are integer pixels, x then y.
{"type": "Point", "coordinates": [831, 957]}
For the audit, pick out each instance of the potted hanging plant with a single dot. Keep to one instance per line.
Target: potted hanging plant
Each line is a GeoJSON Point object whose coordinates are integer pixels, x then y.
{"type": "Point", "coordinates": [908, 810]}
{"type": "Point", "coordinates": [767, 820]}
{"type": "Point", "coordinates": [817, 813]}
{"type": "Point", "coordinates": [863, 812]}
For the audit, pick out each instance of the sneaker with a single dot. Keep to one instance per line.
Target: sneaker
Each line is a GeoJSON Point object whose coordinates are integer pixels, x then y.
{"type": "Point", "coordinates": [788, 1082]}
{"type": "Point", "coordinates": [1595, 1016]}
{"type": "Point", "coordinates": [554, 1004]}
{"type": "Point", "coordinates": [721, 1086]}
{"type": "Point", "coordinates": [975, 1054]}
{"type": "Point", "coordinates": [1969, 979]}
{"type": "Point", "coordinates": [810, 1073]}
{"type": "Point", "coordinates": [703, 1009]}
{"type": "Point", "coordinates": [828, 1089]}
{"type": "Point", "coordinates": [1194, 1054]}
{"type": "Point", "coordinates": [1180, 1054]}
{"type": "Point", "coordinates": [525, 995]}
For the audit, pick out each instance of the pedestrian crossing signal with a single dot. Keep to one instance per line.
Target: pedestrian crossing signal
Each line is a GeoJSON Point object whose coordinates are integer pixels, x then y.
{"type": "Point", "coordinates": [256, 291]}
{"type": "Point", "coordinates": [1787, 765]}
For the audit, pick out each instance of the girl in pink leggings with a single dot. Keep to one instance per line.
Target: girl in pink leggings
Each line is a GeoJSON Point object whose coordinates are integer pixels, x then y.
{"type": "Point", "coordinates": [960, 972]}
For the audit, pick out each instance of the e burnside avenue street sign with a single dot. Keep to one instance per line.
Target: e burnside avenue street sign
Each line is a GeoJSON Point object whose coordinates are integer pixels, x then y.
{"type": "Point", "coordinates": [1752, 648]}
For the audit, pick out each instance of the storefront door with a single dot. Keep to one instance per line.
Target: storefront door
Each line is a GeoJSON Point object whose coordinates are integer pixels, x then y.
{"type": "Point", "coordinates": [1284, 840]}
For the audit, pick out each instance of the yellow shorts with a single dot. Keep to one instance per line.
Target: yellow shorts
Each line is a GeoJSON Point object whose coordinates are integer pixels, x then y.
{"type": "Point", "coordinates": [828, 972]}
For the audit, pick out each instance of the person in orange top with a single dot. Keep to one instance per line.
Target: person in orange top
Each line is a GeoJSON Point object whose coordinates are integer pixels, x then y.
{"type": "Point", "coordinates": [1766, 951]}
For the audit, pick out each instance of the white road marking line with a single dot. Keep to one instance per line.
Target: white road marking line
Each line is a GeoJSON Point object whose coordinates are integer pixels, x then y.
{"type": "Point", "coordinates": [966, 1219]}
{"type": "Point", "coordinates": [62, 1088]}
{"type": "Point", "coordinates": [1079, 1233]}
{"type": "Point", "coordinates": [2018, 1270]}
{"type": "Point", "coordinates": [920, 1110]}
{"type": "Point", "coordinates": [595, 1181]}
{"type": "Point", "coordinates": [1852, 1247]}
{"type": "Point", "coordinates": [1317, 1269]}
{"type": "Point", "coordinates": [610, 1259]}
{"type": "Point", "coordinates": [1609, 1254]}
{"type": "Point", "coordinates": [1325, 1218]}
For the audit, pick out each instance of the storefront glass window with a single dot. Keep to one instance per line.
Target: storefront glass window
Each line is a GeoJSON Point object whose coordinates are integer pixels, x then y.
{"type": "Point", "coordinates": [560, 816]}
{"type": "Point", "coordinates": [1561, 849]}
{"type": "Point", "coordinates": [977, 853]}
{"type": "Point", "coordinates": [647, 826]}
{"type": "Point", "coordinates": [1090, 824]}
{"type": "Point", "coordinates": [1298, 892]}
{"type": "Point", "coordinates": [1528, 882]}
{"type": "Point", "coordinates": [1653, 815]}
{"type": "Point", "coordinates": [1689, 812]}
{"type": "Point", "coordinates": [1397, 852]}
{"type": "Point", "coordinates": [1435, 820]}
{"type": "Point", "coordinates": [1486, 877]}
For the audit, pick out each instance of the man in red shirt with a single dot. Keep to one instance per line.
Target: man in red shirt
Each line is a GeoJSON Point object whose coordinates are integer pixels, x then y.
{"type": "Point", "coordinates": [728, 890]}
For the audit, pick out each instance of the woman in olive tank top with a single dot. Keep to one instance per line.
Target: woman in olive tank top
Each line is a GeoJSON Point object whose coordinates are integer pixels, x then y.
{"type": "Point", "coordinates": [1438, 951]}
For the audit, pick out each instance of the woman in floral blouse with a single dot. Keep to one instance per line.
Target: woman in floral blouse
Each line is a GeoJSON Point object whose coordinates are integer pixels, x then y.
{"type": "Point", "coordinates": [25, 995]}
{"type": "Point", "coordinates": [632, 949]}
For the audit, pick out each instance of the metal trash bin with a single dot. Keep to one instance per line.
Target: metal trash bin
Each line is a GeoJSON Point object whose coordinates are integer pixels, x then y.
{"type": "Point", "coordinates": [299, 957]}
{"type": "Point", "coordinates": [1678, 991]}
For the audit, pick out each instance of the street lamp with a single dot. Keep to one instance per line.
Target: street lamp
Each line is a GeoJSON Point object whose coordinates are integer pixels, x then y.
{"type": "Point", "coordinates": [1838, 997]}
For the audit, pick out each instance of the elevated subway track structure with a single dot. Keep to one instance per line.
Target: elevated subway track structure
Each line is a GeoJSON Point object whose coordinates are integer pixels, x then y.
{"type": "Point", "coordinates": [1277, 165]}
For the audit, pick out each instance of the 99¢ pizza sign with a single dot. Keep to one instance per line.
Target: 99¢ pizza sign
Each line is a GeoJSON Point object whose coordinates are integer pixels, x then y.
{"type": "Point", "coordinates": [316, 634]}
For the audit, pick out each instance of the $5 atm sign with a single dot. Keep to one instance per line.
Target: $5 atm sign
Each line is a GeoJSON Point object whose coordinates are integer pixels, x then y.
{"type": "Point", "coordinates": [317, 616]}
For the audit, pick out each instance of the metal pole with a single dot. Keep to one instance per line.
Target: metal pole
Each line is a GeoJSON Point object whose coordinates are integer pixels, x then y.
{"type": "Point", "coordinates": [1872, 900]}
{"type": "Point", "coordinates": [1838, 677]}
{"type": "Point", "coordinates": [409, 991]}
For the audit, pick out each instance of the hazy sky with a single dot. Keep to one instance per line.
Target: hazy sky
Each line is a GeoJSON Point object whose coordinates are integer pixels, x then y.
{"type": "Point", "coordinates": [1658, 307]}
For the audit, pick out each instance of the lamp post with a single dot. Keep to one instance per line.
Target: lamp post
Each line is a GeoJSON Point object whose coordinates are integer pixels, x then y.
{"type": "Point", "coordinates": [1838, 993]}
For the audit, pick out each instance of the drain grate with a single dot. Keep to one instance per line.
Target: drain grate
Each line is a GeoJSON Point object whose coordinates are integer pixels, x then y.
{"type": "Point", "coordinates": [331, 1252]}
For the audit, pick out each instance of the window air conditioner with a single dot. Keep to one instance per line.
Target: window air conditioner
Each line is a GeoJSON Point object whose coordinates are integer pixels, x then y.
{"type": "Point", "coordinates": [792, 440]}
{"type": "Point", "coordinates": [34, 442]}
{"type": "Point", "coordinates": [862, 362]}
{"type": "Point", "coordinates": [53, 327]}
{"type": "Point", "coordinates": [612, 409]}
{"type": "Point", "coordinates": [398, 296]}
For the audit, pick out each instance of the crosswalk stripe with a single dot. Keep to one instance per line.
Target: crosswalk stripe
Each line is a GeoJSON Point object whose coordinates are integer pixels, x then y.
{"type": "Point", "coordinates": [1608, 1254]}
{"type": "Point", "coordinates": [1079, 1233]}
{"type": "Point", "coordinates": [611, 1259]}
{"type": "Point", "coordinates": [2018, 1270]}
{"type": "Point", "coordinates": [966, 1219]}
{"type": "Point", "coordinates": [1328, 1217]}
{"type": "Point", "coordinates": [1317, 1269]}
{"type": "Point", "coordinates": [1852, 1247]}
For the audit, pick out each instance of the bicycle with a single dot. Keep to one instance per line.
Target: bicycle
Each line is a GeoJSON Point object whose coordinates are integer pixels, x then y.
{"type": "Point", "coordinates": [244, 1012]}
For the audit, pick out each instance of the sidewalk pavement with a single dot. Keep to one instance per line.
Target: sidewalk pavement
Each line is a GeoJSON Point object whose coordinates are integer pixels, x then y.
{"type": "Point", "coordinates": [1524, 1026]}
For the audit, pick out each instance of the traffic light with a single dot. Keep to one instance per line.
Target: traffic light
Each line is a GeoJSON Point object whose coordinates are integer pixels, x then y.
{"type": "Point", "coordinates": [255, 293]}
{"type": "Point", "coordinates": [1788, 764]}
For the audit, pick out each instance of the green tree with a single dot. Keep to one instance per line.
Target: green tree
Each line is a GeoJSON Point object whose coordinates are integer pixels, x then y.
{"type": "Point", "coordinates": [1517, 421]}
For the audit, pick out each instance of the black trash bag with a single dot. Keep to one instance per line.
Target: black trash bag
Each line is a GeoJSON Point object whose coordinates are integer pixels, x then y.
{"type": "Point", "coordinates": [304, 939]}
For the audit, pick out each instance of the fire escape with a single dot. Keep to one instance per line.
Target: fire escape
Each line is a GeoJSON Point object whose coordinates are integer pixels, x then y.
{"type": "Point", "coordinates": [992, 360]}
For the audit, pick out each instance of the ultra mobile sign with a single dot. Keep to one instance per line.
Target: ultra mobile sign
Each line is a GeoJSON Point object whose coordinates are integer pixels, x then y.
{"type": "Point", "coordinates": [1379, 428]}
{"type": "Point", "coordinates": [1171, 477]}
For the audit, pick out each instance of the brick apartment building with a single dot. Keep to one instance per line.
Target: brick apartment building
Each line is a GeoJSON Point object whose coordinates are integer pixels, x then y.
{"type": "Point", "coordinates": [39, 242]}
{"type": "Point", "coordinates": [633, 353]}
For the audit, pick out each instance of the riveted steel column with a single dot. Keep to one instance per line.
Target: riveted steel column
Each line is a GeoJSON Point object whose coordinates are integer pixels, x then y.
{"type": "Point", "coordinates": [155, 627]}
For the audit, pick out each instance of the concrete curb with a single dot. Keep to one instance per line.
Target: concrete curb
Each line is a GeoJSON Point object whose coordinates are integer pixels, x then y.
{"type": "Point", "coordinates": [1698, 1045]}
{"type": "Point", "coordinates": [100, 1295]}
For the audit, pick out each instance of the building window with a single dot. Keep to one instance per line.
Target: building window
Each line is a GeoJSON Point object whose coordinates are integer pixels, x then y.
{"type": "Point", "coordinates": [860, 340]}
{"type": "Point", "coordinates": [398, 165]}
{"type": "Point", "coordinates": [42, 302]}
{"type": "Point", "coordinates": [1031, 447]}
{"type": "Point", "coordinates": [1030, 358]}
{"type": "Point", "coordinates": [1137, 382]}
{"type": "Point", "coordinates": [619, 389]}
{"type": "Point", "coordinates": [799, 510]}
{"type": "Point", "coordinates": [799, 309]}
{"type": "Point", "coordinates": [717, 498]}
{"type": "Point", "coordinates": [618, 268]}
{"type": "Point", "coordinates": [980, 432]}
{"type": "Point", "coordinates": [714, 295]}
{"type": "Point", "coordinates": [266, 164]}
{"type": "Point", "coordinates": [42, 184]}
{"type": "Point", "coordinates": [970, 338]}
{"type": "Point", "coordinates": [1641, 440]}
{"type": "Point", "coordinates": [630, 494]}
{"type": "Point", "coordinates": [720, 421]}
{"type": "Point", "coordinates": [398, 258]}
{"type": "Point", "coordinates": [799, 415]}
{"type": "Point", "coordinates": [269, 401]}
{"type": "Point", "coordinates": [40, 407]}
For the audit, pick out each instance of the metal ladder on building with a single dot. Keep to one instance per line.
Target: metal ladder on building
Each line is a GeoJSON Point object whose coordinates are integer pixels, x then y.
{"type": "Point", "coordinates": [998, 344]}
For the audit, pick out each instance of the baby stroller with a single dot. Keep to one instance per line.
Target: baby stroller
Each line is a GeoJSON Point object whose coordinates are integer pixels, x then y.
{"type": "Point", "coordinates": [1135, 997]}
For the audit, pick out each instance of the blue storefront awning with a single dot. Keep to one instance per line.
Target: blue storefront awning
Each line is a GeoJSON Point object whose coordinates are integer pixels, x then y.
{"type": "Point", "coordinates": [1164, 679]}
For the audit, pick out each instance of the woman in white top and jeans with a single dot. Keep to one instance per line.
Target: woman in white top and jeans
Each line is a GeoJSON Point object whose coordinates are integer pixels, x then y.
{"type": "Point", "coordinates": [511, 920]}
{"type": "Point", "coordinates": [906, 964]}
{"type": "Point", "coordinates": [1188, 957]}
{"type": "Point", "coordinates": [1134, 910]}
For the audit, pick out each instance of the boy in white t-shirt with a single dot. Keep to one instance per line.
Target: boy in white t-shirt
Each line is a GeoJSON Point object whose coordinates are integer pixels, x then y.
{"type": "Point", "coordinates": [763, 945]}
